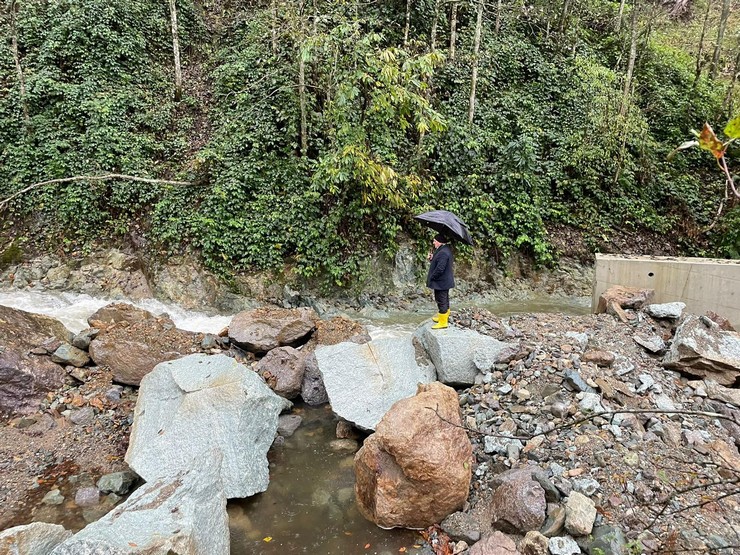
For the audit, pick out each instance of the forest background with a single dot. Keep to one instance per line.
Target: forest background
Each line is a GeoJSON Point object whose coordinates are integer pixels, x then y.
{"type": "Point", "coordinates": [308, 133]}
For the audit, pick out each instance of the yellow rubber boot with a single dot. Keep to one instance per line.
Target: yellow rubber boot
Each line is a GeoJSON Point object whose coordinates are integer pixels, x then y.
{"type": "Point", "coordinates": [443, 318]}
{"type": "Point", "coordinates": [435, 318]}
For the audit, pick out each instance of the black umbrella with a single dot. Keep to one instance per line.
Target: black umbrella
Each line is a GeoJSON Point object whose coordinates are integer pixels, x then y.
{"type": "Point", "coordinates": [446, 223]}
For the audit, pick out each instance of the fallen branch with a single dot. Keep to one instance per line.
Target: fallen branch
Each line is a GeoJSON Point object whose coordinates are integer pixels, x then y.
{"type": "Point", "coordinates": [4, 202]}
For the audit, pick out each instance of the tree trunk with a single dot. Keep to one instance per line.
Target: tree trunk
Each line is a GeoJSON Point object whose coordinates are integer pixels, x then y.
{"type": "Point", "coordinates": [728, 103]}
{"type": "Point", "coordinates": [433, 41]}
{"type": "Point", "coordinates": [476, 51]}
{"type": "Point", "coordinates": [620, 15]}
{"type": "Point", "coordinates": [19, 68]}
{"type": "Point", "coordinates": [563, 16]}
{"type": "Point", "coordinates": [714, 68]}
{"type": "Point", "coordinates": [453, 30]}
{"type": "Point", "coordinates": [408, 24]}
{"type": "Point", "coordinates": [302, 100]}
{"type": "Point", "coordinates": [274, 26]}
{"type": "Point", "coordinates": [498, 17]}
{"type": "Point", "coordinates": [700, 52]}
{"type": "Point", "coordinates": [630, 63]}
{"type": "Point", "coordinates": [176, 51]}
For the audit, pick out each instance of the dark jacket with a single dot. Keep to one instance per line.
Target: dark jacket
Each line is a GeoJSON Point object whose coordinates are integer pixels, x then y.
{"type": "Point", "coordinates": [440, 269]}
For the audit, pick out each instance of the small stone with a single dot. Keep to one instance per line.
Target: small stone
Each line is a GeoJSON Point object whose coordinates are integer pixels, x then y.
{"type": "Point", "coordinates": [671, 311]}
{"type": "Point", "coordinates": [609, 539]}
{"type": "Point", "coordinates": [461, 526]}
{"type": "Point", "coordinates": [580, 514]}
{"type": "Point", "coordinates": [67, 354]}
{"type": "Point", "coordinates": [586, 486]}
{"type": "Point", "coordinates": [504, 389]}
{"type": "Point", "coordinates": [600, 358]}
{"type": "Point", "coordinates": [653, 344]}
{"type": "Point", "coordinates": [54, 497]}
{"type": "Point", "coordinates": [288, 424]}
{"type": "Point", "coordinates": [117, 482]}
{"type": "Point", "coordinates": [83, 416]}
{"type": "Point", "coordinates": [563, 545]}
{"type": "Point", "coordinates": [591, 402]}
{"type": "Point", "coordinates": [534, 543]}
{"type": "Point", "coordinates": [554, 523]}
{"type": "Point", "coordinates": [343, 445]}
{"type": "Point", "coordinates": [87, 497]}
{"type": "Point", "coordinates": [632, 459]}
{"type": "Point", "coordinates": [574, 380]}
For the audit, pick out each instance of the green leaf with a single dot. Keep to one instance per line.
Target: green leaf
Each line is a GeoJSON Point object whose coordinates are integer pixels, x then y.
{"type": "Point", "coordinates": [732, 129]}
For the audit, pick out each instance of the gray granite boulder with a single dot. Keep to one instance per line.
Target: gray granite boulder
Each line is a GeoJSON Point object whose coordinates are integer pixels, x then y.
{"type": "Point", "coordinates": [455, 352]}
{"type": "Point", "coordinates": [701, 348]}
{"type": "Point", "coordinates": [37, 538]}
{"type": "Point", "coordinates": [184, 513]}
{"type": "Point", "coordinates": [671, 311]}
{"type": "Point", "coordinates": [197, 404]}
{"type": "Point", "coordinates": [364, 381]}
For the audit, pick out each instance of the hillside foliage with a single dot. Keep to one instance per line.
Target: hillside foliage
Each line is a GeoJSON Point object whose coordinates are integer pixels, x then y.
{"type": "Point", "coordinates": [312, 132]}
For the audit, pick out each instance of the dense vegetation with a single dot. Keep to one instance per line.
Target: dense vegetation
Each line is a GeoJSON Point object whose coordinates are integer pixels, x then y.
{"type": "Point", "coordinates": [312, 132]}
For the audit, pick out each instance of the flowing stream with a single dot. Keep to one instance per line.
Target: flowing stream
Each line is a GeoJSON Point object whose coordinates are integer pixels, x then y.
{"type": "Point", "coordinates": [309, 505]}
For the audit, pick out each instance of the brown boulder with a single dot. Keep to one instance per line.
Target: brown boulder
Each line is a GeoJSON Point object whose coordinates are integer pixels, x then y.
{"type": "Point", "coordinates": [518, 504]}
{"type": "Point", "coordinates": [132, 349]}
{"type": "Point", "coordinates": [618, 297]}
{"type": "Point", "coordinates": [25, 378]}
{"type": "Point", "coordinates": [416, 468]}
{"type": "Point", "coordinates": [283, 369]}
{"type": "Point", "coordinates": [116, 313]}
{"type": "Point", "coordinates": [264, 329]}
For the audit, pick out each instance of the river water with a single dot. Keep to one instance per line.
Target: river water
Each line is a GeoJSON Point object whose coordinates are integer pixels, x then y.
{"type": "Point", "coordinates": [309, 505]}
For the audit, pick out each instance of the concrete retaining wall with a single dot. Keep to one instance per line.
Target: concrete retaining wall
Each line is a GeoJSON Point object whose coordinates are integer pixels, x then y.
{"type": "Point", "coordinates": [702, 283]}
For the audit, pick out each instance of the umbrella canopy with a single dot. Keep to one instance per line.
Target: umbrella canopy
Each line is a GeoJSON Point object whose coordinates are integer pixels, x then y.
{"type": "Point", "coordinates": [446, 223]}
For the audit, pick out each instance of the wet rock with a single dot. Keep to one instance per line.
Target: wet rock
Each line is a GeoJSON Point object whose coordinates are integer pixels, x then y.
{"type": "Point", "coordinates": [495, 544]}
{"type": "Point", "coordinates": [563, 545]}
{"type": "Point", "coordinates": [461, 527]}
{"type": "Point", "coordinates": [82, 340]}
{"type": "Point", "coordinates": [364, 381]}
{"type": "Point", "coordinates": [580, 514]}
{"type": "Point", "coordinates": [313, 391]}
{"type": "Point", "coordinates": [283, 369]}
{"type": "Point", "coordinates": [415, 469]}
{"type": "Point", "coordinates": [37, 538]}
{"type": "Point", "coordinates": [671, 311]}
{"type": "Point", "coordinates": [339, 445]}
{"type": "Point", "coordinates": [701, 348]}
{"type": "Point", "coordinates": [119, 483]}
{"type": "Point", "coordinates": [453, 352]}
{"type": "Point", "coordinates": [262, 329]}
{"type": "Point", "coordinates": [87, 497]}
{"type": "Point", "coordinates": [116, 313]}
{"type": "Point", "coordinates": [183, 513]}
{"type": "Point", "coordinates": [288, 424]}
{"type": "Point", "coordinates": [346, 430]}
{"type": "Point", "coordinates": [193, 406]}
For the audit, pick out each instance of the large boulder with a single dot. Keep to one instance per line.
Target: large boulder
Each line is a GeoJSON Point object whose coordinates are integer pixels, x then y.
{"type": "Point", "coordinates": [37, 538]}
{"type": "Point", "coordinates": [364, 381]}
{"type": "Point", "coordinates": [456, 352]}
{"type": "Point", "coordinates": [264, 329]}
{"type": "Point", "coordinates": [25, 378]}
{"type": "Point", "coordinates": [701, 348]}
{"type": "Point", "coordinates": [192, 406]}
{"type": "Point", "coordinates": [416, 468]}
{"type": "Point", "coordinates": [184, 514]}
{"type": "Point", "coordinates": [132, 342]}
{"type": "Point", "coordinates": [283, 370]}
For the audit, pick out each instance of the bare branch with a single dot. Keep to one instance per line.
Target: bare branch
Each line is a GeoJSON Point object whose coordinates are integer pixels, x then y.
{"type": "Point", "coordinates": [4, 202]}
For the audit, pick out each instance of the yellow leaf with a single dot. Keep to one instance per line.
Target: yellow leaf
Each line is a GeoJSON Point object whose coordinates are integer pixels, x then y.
{"type": "Point", "coordinates": [267, 539]}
